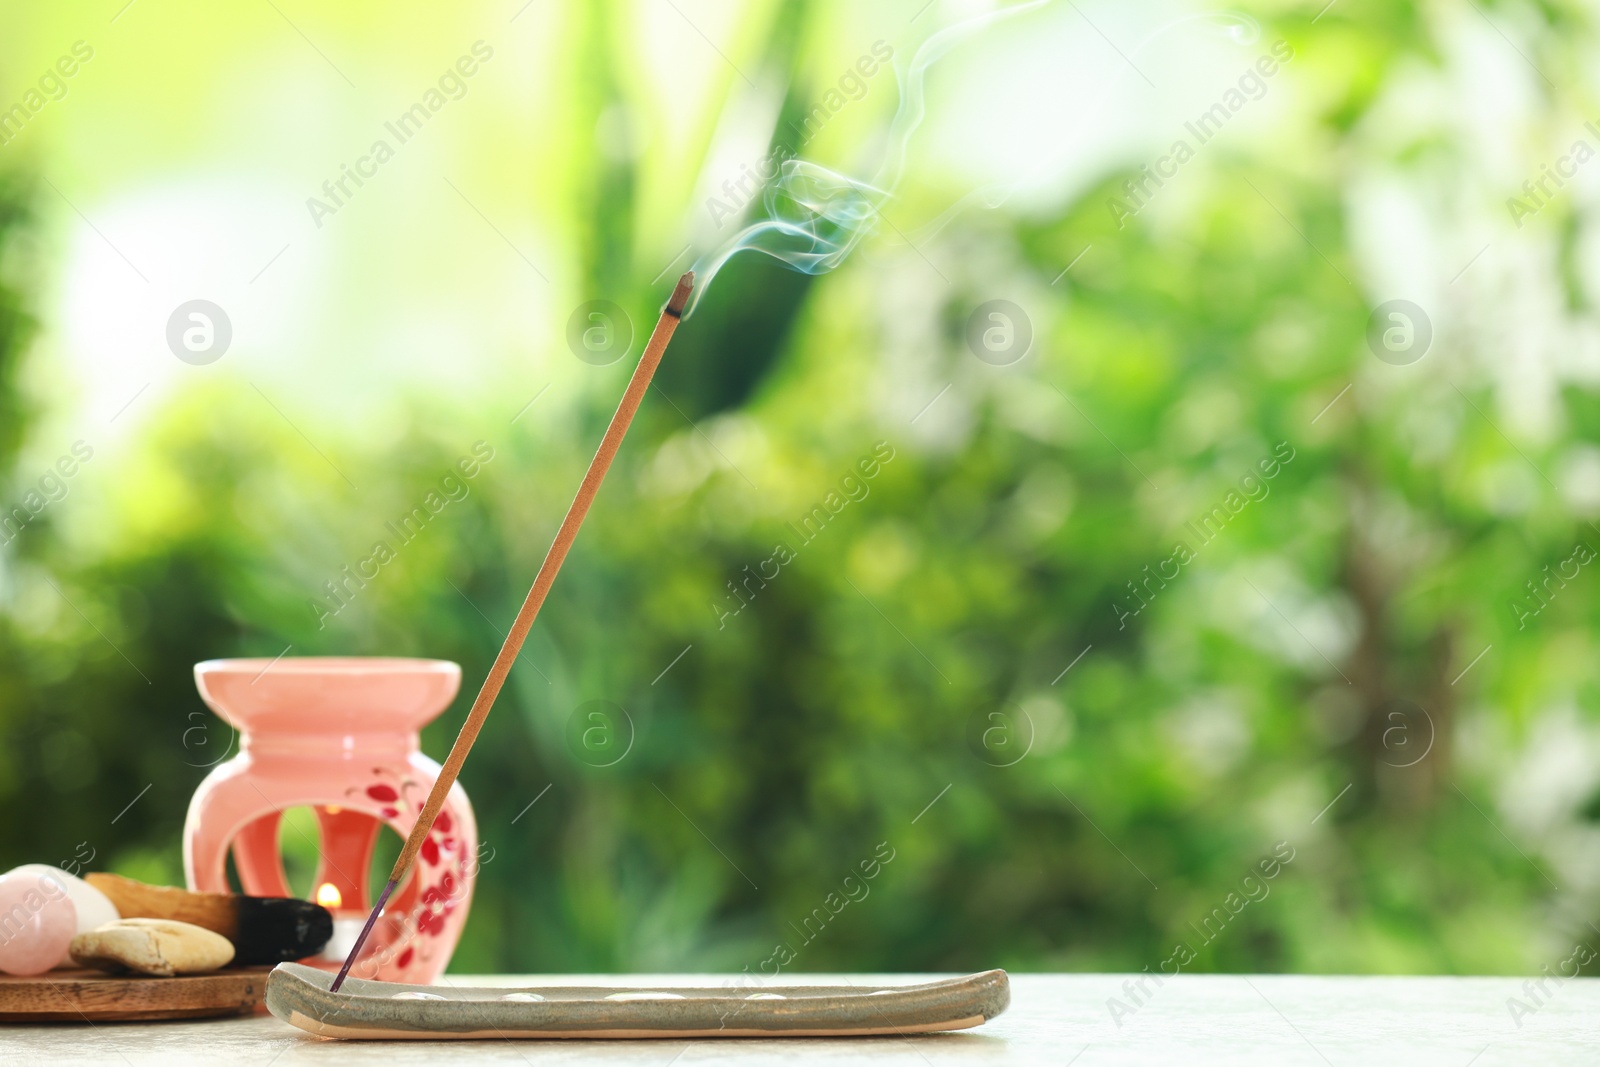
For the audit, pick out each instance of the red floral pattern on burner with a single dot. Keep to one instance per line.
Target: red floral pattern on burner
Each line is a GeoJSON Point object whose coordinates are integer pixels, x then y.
{"type": "Point", "coordinates": [440, 878]}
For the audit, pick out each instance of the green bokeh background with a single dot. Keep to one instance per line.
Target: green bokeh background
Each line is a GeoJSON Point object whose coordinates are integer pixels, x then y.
{"type": "Point", "coordinates": [1323, 650]}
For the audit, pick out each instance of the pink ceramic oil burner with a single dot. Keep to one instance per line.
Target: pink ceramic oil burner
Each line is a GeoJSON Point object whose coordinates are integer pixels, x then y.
{"type": "Point", "coordinates": [338, 735]}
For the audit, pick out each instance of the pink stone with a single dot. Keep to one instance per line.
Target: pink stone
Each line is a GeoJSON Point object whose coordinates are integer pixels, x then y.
{"type": "Point", "coordinates": [37, 923]}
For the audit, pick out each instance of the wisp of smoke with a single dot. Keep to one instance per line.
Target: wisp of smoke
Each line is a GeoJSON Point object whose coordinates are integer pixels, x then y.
{"type": "Point", "coordinates": [816, 217]}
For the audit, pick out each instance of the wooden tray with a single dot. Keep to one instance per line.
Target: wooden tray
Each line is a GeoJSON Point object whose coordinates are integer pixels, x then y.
{"type": "Point", "coordinates": [74, 996]}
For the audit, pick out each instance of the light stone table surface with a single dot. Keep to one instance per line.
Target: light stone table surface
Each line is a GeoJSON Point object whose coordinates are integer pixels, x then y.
{"type": "Point", "coordinates": [1056, 1019]}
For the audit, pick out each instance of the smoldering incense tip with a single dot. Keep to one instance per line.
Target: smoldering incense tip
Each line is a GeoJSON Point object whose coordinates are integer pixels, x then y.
{"type": "Point", "coordinates": [680, 295]}
{"type": "Point", "coordinates": [355, 950]}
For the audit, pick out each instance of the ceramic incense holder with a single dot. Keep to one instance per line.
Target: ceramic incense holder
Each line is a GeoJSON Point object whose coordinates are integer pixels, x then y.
{"type": "Point", "coordinates": [300, 996]}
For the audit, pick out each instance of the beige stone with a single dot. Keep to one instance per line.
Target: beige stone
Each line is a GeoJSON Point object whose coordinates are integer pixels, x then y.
{"type": "Point", "coordinates": [152, 946]}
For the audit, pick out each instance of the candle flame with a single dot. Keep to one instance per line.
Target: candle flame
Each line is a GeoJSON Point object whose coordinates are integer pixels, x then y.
{"type": "Point", "coordinates": [328, 895]}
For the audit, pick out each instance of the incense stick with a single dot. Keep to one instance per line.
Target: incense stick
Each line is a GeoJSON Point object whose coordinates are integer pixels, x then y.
{"type": "Point", "coordinates": [546, 577]}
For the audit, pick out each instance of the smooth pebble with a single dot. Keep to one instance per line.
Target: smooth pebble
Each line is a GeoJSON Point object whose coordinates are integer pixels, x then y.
{"type": "Point", "coordinates": [94, 907]}
{"type": "Point", "coordinates": [37, 921]}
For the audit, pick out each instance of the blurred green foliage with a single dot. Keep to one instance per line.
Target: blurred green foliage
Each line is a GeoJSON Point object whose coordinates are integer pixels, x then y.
{"type": "Point", "coordinates": [837, 710]}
